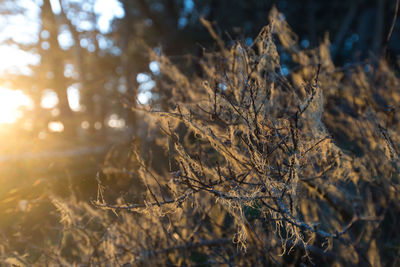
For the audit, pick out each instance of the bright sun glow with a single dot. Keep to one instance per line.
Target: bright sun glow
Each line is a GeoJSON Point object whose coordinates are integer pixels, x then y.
{"type": "Point", "coordinates": [49, 99]}
{"type": "Point", "coordinates": [56, 126]}
{"type": "Point", "coordinates": [10, 103]}
{"type": "Point", "coordinates": [24, 29]}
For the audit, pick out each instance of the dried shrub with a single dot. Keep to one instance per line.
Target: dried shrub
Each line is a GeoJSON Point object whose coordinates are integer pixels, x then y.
{"type": "Point", "coordinates": [263, 168]}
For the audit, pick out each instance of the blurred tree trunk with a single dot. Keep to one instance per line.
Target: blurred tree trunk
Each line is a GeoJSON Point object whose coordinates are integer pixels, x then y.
{"type": "Point", "coordinates": [311, 23]}
{"type": "Point", "coordinates": [129, 67]}
{"type": "Point", "coordinates": [345, 26]}
{"type": "Point", "coordinates": [91, 74]}
{"type": "Point", "coordinates": [378, 29]}
{"type": "Point", "coordinates": [86, 95]}
{"type": "Point", "coordinates": [54, 55]}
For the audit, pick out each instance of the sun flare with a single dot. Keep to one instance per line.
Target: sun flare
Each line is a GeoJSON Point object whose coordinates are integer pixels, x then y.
{"type": "Point", "coordinates": [11, 102]}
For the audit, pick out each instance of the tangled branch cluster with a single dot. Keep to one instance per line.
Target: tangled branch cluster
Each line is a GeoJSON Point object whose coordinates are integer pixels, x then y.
{"type": "Point", "coordinates": [263, 168]}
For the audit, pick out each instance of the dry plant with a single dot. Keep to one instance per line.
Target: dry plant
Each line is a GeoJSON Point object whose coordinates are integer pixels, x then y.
{"type": "Point", "coordinates": [264, 169]}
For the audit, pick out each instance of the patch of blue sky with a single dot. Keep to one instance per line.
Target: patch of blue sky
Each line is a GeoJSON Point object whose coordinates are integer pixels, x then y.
{"type": "Point", "coordinates": [107, 11]}
{"type": "Point", "coordinates": [23, 27]}
{"type": "Point", "coordinates": [188, 8]}
{"type": "Point", "coordinates": [154, 66]}
{"type": "Point", "coordinates": [143, 77]}
{"type": "Point", "coordinates": [147, 86]}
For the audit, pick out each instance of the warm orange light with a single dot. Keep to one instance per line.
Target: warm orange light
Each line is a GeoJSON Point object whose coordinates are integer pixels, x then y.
{"type": "Point", "coordinates": [10, 103]}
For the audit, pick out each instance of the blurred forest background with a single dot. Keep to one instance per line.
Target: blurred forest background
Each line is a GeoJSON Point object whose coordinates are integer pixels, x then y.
{"type": "Point", "coordinates": [78, 68]}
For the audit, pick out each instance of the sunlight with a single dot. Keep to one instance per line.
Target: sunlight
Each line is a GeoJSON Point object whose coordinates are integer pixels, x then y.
{"type": "Point", "coordinates": [10, 103]}
{"type": "Point", "coordinates": [116, 122]}
{"type": "Point", "coordinates": [49, 99]}
{"type": "Point", "coordinates": [74, 98]}
{"type": "Point", "coordinates": [56, 126]}
{"type": "Point", "coordinates": [15, 60]}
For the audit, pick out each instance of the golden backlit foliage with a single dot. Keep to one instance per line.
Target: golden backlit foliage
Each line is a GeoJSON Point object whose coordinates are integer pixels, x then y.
{"type": "Point", "coordinates": [260, 168]}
